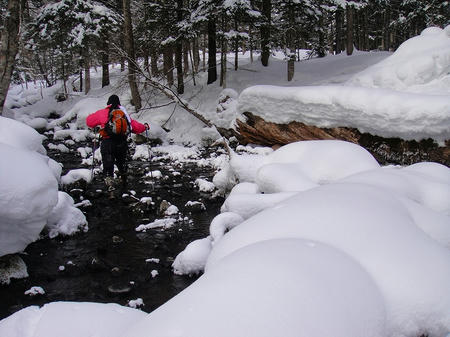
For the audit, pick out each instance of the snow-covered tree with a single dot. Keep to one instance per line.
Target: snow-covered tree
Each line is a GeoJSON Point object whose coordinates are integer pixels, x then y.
{"type": "Point", "coordinates": [71, 27]}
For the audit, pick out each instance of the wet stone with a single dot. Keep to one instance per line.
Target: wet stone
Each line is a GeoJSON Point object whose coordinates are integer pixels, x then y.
{"type": "Point", "coordinates": [117, 239]}
{"type": "Point", "coordinates": [119, 288]}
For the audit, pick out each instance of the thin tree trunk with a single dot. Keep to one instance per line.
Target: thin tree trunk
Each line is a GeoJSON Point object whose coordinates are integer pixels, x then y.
{"type": "Point", "coordinates": [129, 46]}
{"type": "Point", "coordinates": [9, 47]}
{"type": "Point", "coordinates": [236, 45]}
{"type": "Point", "coordinates": [81, 74]}
{"type": "Point", "coordinates": [105, 63]}
{"type": "Point", "coordinates": [350, 29]}
{"type": "Point", "coordinates": [204, 52]}
{"type": "Point", "coordinates": [196, 55]}
{"type": "Point", "coordinates": [186, 49]}
{"type": "Point", "coordinates": [168, 64]}
{"type": "Point", "coordinates": [179, 52]}
{"type": "Point", "coordinates": [87, 75]}
{"type": "Point", "coordinates": [265, 32]}
{"type": "Point", "coordinates": [212, 49]}
{"type": "Point", "coordinates": [154, 62]}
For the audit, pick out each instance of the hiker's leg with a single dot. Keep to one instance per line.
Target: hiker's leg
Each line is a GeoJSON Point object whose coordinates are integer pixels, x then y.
{"type": "Point", "coordinates": [121, 157]}
{"type": "Point", "coordinates": [106, 150]}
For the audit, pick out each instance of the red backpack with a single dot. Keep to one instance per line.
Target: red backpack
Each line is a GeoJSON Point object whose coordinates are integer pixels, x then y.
{"type": "Point", "coordinates": [117, 125]}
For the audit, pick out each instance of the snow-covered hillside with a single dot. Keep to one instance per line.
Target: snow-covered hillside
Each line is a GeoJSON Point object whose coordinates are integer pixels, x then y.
{"type": "Point", "coordinates": [314, 239]}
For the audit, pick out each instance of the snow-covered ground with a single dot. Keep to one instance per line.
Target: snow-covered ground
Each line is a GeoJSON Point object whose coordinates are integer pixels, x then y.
{"type": "Point", "coordinates": [314, 239]}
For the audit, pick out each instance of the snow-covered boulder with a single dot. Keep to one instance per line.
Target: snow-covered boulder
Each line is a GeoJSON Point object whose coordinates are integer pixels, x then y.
{"type": "Point", "coordinates": [371, 225]}
{"type": "Point", "coordinates": [65, 218]}
{"type": "Point", "coordinates": [287, 287]}
{"type": "Point", "coordinates": [420, 64]}
{"type": "Point", "coordinates": [20, 135]}
{"type": "Point", "coordinates": [28, 193]}
{"type": "Point", "coordinates": [71, 319]}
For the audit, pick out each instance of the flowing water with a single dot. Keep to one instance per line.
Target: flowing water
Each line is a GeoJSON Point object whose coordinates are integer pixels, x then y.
{"type": "Point", "coordinates": [108, 262]}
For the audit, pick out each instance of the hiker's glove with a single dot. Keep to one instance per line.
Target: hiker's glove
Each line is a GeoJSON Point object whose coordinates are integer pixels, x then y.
{"type": "Point", "coordinates": [147, 127]}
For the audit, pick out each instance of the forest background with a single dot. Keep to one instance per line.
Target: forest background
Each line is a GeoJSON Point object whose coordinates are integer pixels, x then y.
{"type": "Point", "coordinates": [165, 43]}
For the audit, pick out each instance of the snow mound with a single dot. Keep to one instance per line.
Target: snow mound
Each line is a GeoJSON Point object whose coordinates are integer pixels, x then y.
{"type": "Point", "coordinates": [287, 287]}
{"type": "Point", "coordinates": [65, 218]}
{"type": "Point", "coordinates": [75, 175]}
{"type": "Point", "coordinates": [21, 136]}
{"type": "Point", "coordinates": [371, 225]}
{"type": "Point", "coordinates": [70, 319]}
{"type": "Point", "coordinates": [419, 64]}
{"type": "Point", "coordinates": [406, 95]}
{"type": "Point", "coordinates": [28, 193]}
{"type": "Point", "coordinates": [193, 258]}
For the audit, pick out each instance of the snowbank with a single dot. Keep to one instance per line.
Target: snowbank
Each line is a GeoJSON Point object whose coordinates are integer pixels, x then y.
{"type": "Point", "coordinates": [29, 197]}
{"type": "Point", "coordinates": [70, 320]}
{"type": "Point", "coordinates": [406, 95]}
{"type": "Point", "coordinates": [288, 287]}
{"type": "Point", "coordinates": [21, 136]}
{"type": "Point", "coordinates": [378, 111]}
{"type": "Point", "coordinates": [383, 218]}
{"type": "Point", "coordinates": [28, 193]}
{"type": "Point", "coordinates": [420, 64]}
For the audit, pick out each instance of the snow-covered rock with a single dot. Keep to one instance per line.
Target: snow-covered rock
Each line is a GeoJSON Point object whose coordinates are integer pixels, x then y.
{"type": "Point", "coordinates": [28, 193]}
{"type": "Point", "coordinates": [288, 287]}
{"type": "Point", "coordinates": [21, 136]}
{"type": "Point", "coordinates": [71, 319]}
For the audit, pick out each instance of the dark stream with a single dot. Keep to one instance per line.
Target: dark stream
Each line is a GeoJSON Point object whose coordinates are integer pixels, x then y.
{"type": "Point", "coordinates": [107, 263]}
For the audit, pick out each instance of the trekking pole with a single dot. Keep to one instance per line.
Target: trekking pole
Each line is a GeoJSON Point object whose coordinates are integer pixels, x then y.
{"type": "Point", "coordinates": [93, 154]}
{"type": "Point", "coordinates": [149, 155]}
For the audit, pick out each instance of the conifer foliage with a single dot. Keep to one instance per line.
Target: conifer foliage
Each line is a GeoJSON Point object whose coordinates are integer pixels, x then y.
{"type": "Point", "coordinates": [62, 38]}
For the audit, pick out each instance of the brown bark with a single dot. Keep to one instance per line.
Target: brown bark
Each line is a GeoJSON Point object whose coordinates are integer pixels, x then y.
{"type": "Point", "coordinates": [129, 47]}
{"type": "Point", "coordinates": [255, 130]}
{"type": "Point", "coordinates": [265, 32]}
{"type": "Point", "coordinates": [87, 76]}
{"type": "Point", "coordinates": [212, 49]}
{"type": "Point", "coordinates": [350, 11]}
{"type": "Point", "coordinates": [105, 63]}
{"type": "Point", "coordinates": [8, 48]}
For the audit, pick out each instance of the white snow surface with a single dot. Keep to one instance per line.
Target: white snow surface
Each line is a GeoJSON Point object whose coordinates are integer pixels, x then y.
{"type": "Point", "coordinates": [382, 217]}
{"type": "Point", "coordinates": [70, 320]}
{"type": "Point", "coordinates": [316, 239]}
{"type": "Point", "coordinates": [29, 197]}
{"type": "Point", "coordinates": [406, 95]}
{"type": "Point", "coordinates": [19, 135]}
{"type": "Point", "coordinates": [28, 193]}
{"type": "Point", "coordinates": [287, 287]}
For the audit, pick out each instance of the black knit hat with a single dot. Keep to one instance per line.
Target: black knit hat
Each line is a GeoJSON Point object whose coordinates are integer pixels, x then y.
{"type": "Point", "coordinates": [113, 100]}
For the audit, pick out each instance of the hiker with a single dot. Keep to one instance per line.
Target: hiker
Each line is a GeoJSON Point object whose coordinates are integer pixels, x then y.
{"type": "Point", "coordinates": [115, 125]}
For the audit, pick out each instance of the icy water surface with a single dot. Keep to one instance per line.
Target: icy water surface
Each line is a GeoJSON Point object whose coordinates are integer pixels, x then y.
{"type": "Point", "coordinates": [112, 262]}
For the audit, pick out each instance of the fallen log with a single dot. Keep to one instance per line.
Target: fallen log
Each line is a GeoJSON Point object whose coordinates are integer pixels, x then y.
{"type": "Point", "coordinates": [256, 130]}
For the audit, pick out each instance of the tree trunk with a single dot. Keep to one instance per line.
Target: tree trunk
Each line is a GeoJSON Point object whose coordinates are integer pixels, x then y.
{"type": "Point", "coordinates": [339, 29]}
{"type": "Point", "coordinates": [87, 75]}
{"type": "Point", "coordinates": [105, 63]}
{"type": "Point", "coordinates": [129, 46]}
{"type": "Point", "coordinates": [350, 10]}
{"type": "Point", "coordinates": [212, 49]}
{"type": "Point", "coordinates": [8, 48]}
{"type": "Point", "coordinates": [204, 52]}
{"type": "Point", "coordinates": [168, 64]}
{"type": "Point", "coordinates": [386, 36]}
{"type": "Point", "coordinates": [265, 32]}
{"type": "Point", "coordinates": [186, 50]}
{"type": "Point", "coordinates": [236, 45]}
{"type": "Point", "coordinates": [179, 52]}
{"type": "Point", "coordinates": [154, 61]}
{"type": "Point", "coordinates": [196, 55]}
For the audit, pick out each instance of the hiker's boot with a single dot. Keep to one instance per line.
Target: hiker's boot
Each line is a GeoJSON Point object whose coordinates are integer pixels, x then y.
{"type": "Point", "coordinates": [109, 182]}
